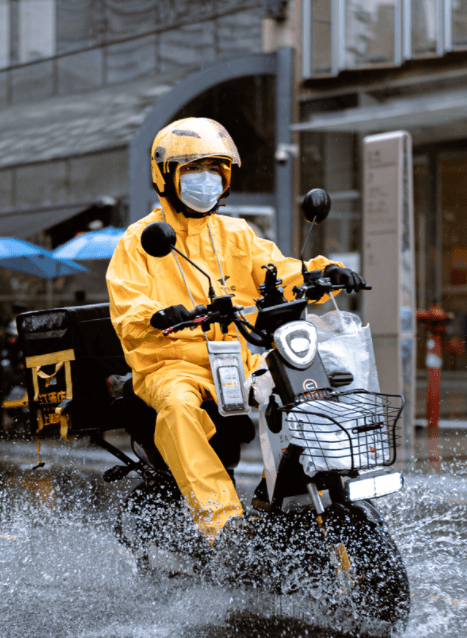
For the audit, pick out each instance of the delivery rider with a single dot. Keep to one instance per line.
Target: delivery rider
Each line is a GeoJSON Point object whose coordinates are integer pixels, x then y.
{"type": "Point", "coordinates": [191, 161]}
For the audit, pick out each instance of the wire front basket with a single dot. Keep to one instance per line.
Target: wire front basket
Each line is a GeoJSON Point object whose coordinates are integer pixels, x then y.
{"type": "Point", "coordinates": [345, 430]}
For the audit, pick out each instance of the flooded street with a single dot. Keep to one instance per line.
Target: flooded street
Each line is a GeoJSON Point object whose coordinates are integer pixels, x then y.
{"type": "Point", "coordinates": [63, 573]}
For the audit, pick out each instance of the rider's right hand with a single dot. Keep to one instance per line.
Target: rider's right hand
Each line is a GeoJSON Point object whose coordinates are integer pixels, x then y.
{"type": "Point", "coordinates": [170, 317]}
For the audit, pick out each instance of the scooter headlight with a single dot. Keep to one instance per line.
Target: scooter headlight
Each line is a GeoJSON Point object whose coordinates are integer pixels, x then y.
{"type": "Point", "coordinates": [297, 342]}
{"type": "Point", "coordinates": [376, 485]}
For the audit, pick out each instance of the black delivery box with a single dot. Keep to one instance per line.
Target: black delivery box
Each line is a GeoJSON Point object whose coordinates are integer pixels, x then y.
{"type": "Point", "coordinates": [69, 355]}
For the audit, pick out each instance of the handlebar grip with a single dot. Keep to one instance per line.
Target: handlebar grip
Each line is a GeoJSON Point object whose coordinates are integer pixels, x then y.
{"type": "Point", "coordinates": [342, 287]}
{"type": "Point", "coordinates": [199, 310]}
{"type": "Point", "coordinates": [197, 315]}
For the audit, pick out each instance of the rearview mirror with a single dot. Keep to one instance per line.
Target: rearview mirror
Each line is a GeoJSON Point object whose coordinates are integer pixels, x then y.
{"type": "Point", "coordinates": [158, 239]}
{"type": "Point", "coordinates": [316, 205]}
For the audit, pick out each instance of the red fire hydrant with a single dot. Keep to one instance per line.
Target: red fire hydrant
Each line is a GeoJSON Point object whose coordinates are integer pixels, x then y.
{"type": "Point", "coordinates": [435, 320]}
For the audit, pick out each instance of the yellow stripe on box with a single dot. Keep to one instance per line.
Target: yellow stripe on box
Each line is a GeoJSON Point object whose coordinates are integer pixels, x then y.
{"type": "Point", "coordinates": [50, 359]}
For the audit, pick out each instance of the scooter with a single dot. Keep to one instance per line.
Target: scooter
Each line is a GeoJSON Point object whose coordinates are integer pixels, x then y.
{"type": "Point", "coordinates": [326, 451]}
{"type": "Point", "coordinates": [317, 529]}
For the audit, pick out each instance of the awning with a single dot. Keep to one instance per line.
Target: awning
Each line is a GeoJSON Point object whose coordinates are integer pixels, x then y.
{"type": "Point", "coordinates": [25, 223]}
{"type": "Point", "coordinates": [76, 124]}
{"type": "Point", "coordinates": [445, 113]}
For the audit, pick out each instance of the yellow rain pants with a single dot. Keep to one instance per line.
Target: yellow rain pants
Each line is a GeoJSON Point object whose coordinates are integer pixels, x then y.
{"type": "Point", "coordinates": [172, 373]}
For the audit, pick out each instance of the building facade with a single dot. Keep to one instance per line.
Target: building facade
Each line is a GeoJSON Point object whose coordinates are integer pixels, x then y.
{"type": "Point", "coordinates": [77, 80]}
{"type": "Point", "coordinates": [373, 66]}
{"type": "Point", "coordinates": [86, 84]}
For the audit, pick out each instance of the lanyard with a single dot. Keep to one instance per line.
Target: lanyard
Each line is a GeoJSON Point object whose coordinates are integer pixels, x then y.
{"type": "Point", "coordinates": [224, 285]}
{"type": "Point", "coordinates": [225, 358]}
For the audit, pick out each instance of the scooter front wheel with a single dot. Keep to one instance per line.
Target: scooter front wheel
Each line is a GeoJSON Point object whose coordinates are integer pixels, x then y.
{"type": "Point", "coordinates": [374, 585]}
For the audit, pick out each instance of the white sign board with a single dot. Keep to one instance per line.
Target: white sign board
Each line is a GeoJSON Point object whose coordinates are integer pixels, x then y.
{"type": "Point", "coordinates": [388, 263]}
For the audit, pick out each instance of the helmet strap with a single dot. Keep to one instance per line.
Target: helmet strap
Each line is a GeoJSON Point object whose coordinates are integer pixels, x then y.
{"type": "Point", "coordinates": [193, 214]}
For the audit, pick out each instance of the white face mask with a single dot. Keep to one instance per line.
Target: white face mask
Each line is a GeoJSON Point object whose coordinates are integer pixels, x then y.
{"type": "Point", "coordinates": [200, 191]}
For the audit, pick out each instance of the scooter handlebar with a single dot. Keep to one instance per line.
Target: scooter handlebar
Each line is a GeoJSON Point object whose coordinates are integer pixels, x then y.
{"type": "Point", "coordinates": [201, 314]}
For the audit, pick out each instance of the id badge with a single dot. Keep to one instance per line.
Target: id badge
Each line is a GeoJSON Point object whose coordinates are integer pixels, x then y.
{"type": "Point", "coordinates": [226, 362]}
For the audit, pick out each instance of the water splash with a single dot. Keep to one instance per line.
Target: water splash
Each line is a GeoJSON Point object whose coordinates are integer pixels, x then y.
{"type": "Point", "coordinates": [427, 521]}
{"type": "Point", "coordinates": [63, 573]}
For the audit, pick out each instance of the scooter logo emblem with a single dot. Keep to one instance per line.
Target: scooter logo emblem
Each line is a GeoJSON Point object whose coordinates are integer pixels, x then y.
{"type": "Point", "coordinates": [309, 385]}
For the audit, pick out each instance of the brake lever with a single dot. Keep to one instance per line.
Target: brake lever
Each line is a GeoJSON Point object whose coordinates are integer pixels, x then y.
{"type": "Point", "coordinates": [184, 324]}
{"type": "Point", "coordinates": [194, 323]}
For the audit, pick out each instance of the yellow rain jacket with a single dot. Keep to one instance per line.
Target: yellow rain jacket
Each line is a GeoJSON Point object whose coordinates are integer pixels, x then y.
{"type": "Point", "coordinates": [172, 373]}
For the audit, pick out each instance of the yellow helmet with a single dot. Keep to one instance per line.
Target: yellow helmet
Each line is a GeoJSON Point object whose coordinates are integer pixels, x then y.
{"type": "Point", "coordinates": [185, 141]}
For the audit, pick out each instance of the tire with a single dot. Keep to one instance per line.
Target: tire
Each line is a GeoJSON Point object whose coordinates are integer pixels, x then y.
{"type": "Point", "coordinates": [371, 599]}
{"type": "Point", "coordinates": [379, 592]}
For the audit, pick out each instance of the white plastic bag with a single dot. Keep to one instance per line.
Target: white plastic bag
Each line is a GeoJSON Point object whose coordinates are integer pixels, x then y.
{"type": "Point", "coordinates": [328, 447]}
{"type": "Point", "coordinates": [344, 344]}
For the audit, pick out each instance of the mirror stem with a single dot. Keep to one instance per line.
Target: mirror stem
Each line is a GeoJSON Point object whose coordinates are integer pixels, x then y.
{"type": "Point", "coordinates": [302, 253]}
{"type": "Point", "coordinates": [211, 292]}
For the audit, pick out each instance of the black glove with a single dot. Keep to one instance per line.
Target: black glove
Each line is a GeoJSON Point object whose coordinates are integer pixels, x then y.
{"type": "Point", "coordinates": [339, 276]}
{"type": "Point", "coordinates": [169, 317]}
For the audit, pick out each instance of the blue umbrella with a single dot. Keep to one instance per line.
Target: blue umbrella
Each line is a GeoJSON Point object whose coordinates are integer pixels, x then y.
{"type": "Point", "coordinates": [97, 244]}
{"type": "Point", "coordinates": [23, 256]}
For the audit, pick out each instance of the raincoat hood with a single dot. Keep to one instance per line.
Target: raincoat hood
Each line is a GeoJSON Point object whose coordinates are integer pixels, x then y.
{"type": "Point", "coordinates": [182, 223]}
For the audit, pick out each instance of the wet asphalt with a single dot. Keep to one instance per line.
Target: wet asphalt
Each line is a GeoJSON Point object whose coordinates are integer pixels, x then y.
{"type": "Point", "coordinates": [63, 573]}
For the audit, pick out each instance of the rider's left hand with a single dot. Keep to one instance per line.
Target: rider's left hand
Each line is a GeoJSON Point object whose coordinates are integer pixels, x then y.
{"type": "Point", "coordinates": [169, 317]}
{"type": "Point", "coordinates": [345, 277]}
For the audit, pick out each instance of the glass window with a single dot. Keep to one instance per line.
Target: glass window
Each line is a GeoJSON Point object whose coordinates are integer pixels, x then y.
{"type": "Point", "coordinates": [317, 40]}
{"type": "Point", "coordinates": [80, 23]}
{"type": "Point", "coordinates": [422, 212]}
{"type": "Point", "coordinates": [453, 197]}
{"type": "Point", "coordinates": [330, 161]}
{"type": "Point", "coordinates": [4, 89]}
{"type": "Point", "coordinates": [369, 32]}
{"type": "Point", "coordinates": [130, 59]}
{"type": "Point", "coordinates": [459, 22]}
{"type": "Point", "coordinates": [36, 29]}
{"type": "Point", "coordinates": [321, 47]}
{"type": "Point", "coordinates": [128, 18]}
{"type": "Point", "coordinates": [4, 33]}
{"type": "Point", "coordinates": [424, 26]}
{"type": "Point", "coordinates": [32, 79]}
{"type": "Point", "coordinates": [80, 72]}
